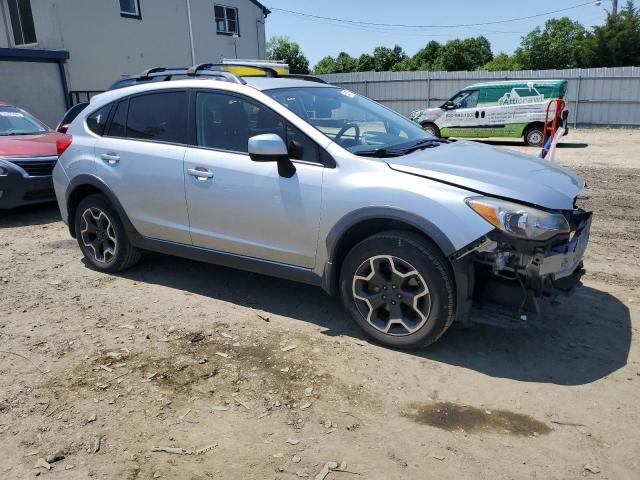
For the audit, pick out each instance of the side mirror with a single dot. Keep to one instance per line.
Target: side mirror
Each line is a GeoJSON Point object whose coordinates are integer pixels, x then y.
{"type": "Point", "coordinates": [63, 128]}
{"type": "Point", "coordinates": [448, 105]}
{"type": "Point", "coordinates": [270, 147]}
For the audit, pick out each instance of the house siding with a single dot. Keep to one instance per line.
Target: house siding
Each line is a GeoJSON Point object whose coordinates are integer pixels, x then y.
{"type": "Point", "coordinates": [103, 45]}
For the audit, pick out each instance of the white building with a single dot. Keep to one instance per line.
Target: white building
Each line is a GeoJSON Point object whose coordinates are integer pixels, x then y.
{"type": "Point", "coordinates": [49, 48]}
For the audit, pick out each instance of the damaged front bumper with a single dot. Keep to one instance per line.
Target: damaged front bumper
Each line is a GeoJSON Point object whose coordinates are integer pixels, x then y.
{"type": "Point", "coordinates": [511, 275]}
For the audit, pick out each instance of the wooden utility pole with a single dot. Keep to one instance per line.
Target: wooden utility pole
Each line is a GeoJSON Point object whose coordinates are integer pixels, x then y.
{"type": "Point", "coordinates": [614, 7]}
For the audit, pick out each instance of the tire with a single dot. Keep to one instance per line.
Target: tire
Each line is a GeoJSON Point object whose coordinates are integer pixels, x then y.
{"type": "Point", "coordinates": [404, 263]}
{"type": "Point", "coordinates": [431, 128]}
{"type": "Point", "coordinates": [102, 237]}
{"type": "Point", "coordinates": [533, 136]}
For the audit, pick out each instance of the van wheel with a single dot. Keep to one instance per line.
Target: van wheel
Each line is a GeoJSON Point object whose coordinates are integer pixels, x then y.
{"type": "Point", "coordinates": [398, 289]}
{"type": "Point", "coordinates": [533, 136]}
{"type": "Point", "coordinates": [431, 128]}
{"type": "Point", "coordinates": [101, 235]}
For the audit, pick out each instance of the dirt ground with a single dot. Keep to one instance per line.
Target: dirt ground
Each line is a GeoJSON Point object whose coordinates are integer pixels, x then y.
{"type": "Point", "coordinates": [261, 378]}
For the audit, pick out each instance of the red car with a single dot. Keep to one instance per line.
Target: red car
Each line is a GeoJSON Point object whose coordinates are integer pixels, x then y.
{"type": "Point", "coordinates": [28, 152]}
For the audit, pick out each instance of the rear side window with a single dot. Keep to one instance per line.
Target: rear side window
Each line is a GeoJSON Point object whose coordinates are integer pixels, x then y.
{"type": "Point", "coordinates": [161, 117]}
{"type": "Point", "coordinates": [96, 121]}
{"type": "Point", "coordinates": [119, 120]}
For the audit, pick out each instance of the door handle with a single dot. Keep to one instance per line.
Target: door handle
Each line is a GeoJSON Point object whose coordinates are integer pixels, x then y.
{"type": "Point", "coordinates": [200, 173]}
{"type": "Point", "coordinates": [111, 158]}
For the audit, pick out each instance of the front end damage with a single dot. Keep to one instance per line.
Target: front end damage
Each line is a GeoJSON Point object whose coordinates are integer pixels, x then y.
{"type": "Point", "coordinates": [505, 278]}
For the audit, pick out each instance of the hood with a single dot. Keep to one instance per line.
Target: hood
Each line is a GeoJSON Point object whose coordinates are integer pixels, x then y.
{"type": "Point", "coordinates": [497, 172]}
{"type": "Point", "coordinates": [40, 145]}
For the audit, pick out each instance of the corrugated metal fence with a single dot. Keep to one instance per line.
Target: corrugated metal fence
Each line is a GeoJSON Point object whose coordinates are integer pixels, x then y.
{"type": "Point", "coordinates": [596, 96]}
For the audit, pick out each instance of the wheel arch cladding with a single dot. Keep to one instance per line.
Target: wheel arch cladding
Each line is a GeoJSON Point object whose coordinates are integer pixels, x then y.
{"type": "Point", "coordinates": [360, 224]}
{"type": "Point", "coordinates": [85, 185]}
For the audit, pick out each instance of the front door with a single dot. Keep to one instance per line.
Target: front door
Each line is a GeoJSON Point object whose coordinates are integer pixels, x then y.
{"type": "Point", "coordinates": [140, 157]}
{"type": "Point", "coordinates": [244, 207]}
{"type": "Point", "coordinates": [464, 119]}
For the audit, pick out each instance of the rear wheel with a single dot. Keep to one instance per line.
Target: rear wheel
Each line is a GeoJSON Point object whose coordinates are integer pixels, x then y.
{"type": "Point", "coordinates": [398, 289]}
{"type": "Point", "coordinates": [431, 128]}
{"type": "Point", "coordinates": [533, 136]}
{"type": "Point", "coordinates": [101, 235]}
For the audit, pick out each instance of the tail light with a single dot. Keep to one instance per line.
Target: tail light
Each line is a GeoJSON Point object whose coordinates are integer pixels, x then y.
{"type": "Point", "coordinates": [63, 143]}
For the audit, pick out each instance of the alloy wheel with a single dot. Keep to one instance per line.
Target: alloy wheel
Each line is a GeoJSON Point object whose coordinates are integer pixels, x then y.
{"type": "Point", "coordinates": [391, 295]}
{"type": "Point", "coordinates": [98, 235]}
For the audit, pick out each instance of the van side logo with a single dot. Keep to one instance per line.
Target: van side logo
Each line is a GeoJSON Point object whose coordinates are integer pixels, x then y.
{"type": "Point", "coordinates": [519, 96]}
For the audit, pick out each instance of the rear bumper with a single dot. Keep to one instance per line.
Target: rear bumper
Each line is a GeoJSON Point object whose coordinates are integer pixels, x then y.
{"type": "Point", "coordinates": [18, 188]}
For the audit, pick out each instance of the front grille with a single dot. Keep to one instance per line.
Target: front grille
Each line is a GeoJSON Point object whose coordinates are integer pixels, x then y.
{"type": "Point", "coordinates": [36, 168]}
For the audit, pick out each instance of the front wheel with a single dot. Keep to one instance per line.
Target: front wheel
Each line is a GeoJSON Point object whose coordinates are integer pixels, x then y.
{"type": "Point", "coordinates": [431, 128]}
{"type": "Point", "coordinates": [398, 289]}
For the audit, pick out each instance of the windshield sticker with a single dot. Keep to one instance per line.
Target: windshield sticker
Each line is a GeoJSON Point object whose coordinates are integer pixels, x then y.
{"type": "Point", "coordinates": [11, 114]}
{"type": "Point", "coordinates": [347, 93]}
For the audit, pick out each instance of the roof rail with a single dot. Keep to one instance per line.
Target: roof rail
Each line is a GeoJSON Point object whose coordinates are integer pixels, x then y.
{"type": "Point", "coordinates": [145, 75]}
{"type": "Point", "coordinates": [309, 78]}
{"type": "Point", "coordinates": [216, 70]}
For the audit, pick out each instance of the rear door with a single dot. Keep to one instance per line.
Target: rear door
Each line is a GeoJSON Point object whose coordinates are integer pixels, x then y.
{"type": "Point", "coordinates": [140, 158]}
{"type": "Point", "coordinates": [244, 207]}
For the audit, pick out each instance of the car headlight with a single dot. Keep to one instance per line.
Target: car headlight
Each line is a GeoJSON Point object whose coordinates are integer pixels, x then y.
{"type": "Point", "coordinates": [3, 171]}
{"type": "Point", "coordinates": [519, 220]}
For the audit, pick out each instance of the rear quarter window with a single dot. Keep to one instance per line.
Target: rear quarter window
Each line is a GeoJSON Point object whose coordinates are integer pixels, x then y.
{"type": "Point", "coordinates": [97, 120]}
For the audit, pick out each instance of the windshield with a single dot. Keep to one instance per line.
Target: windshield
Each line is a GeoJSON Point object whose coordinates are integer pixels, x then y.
{"type": "Point", "coordinates": [356, 123]}
{"type": "Point", "coordinates": [14, 121]}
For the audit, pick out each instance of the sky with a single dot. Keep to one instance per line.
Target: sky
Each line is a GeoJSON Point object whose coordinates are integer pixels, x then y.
{"type": "Point", "coordinates": [318, 37]}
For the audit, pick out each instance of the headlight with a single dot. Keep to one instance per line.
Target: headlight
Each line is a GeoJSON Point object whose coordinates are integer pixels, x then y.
{"type": "Point", "coordinates": [3, 171]}
{"type": "Point", "coordinates": [519, 220]}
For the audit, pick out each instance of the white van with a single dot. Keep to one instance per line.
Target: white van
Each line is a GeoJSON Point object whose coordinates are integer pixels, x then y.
{"type": "Point", "coordinates": [514, 109]}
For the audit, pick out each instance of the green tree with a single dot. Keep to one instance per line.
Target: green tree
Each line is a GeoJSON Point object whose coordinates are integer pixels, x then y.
{"type": "Point", "coordinates": [399, 53]}
{"type": "Point", "coordinates": [365, 63]}
{"type": "Point", "coordinates": [467, 54]}
{"type": "Point", "coordinates": [282, 48]}
{"type": "Point", "coordinates": [345, 63]}
{"type": "Point", "coordinates": [502, 61]}
{"type": "Point", "coordinates": [405, 65]}
{"type": "Point", "coordinates": [384, 59]}
{"type": "Point", "coordinates": [425, 58]}
{"type": "Point", "coordinates": [325, 65]}
{"type": "Point", "coordinates": [558, 45]}
{"type": "Point", "coordinates": [614, 44]}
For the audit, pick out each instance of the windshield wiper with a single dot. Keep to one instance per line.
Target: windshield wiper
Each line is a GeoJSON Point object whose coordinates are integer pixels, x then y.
{"type": "Point", "coordinates": [409, 147]}
{"type": "Point", "coordinates": [378, 152]}
{"type": "Point", "coordinates": [403, 148]}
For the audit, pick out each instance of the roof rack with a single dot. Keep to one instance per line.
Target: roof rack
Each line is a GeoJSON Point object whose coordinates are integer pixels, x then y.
{"type": "Point", "coordinates": [217, 70]}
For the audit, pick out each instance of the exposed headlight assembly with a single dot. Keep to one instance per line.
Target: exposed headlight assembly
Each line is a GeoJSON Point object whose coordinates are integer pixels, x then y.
{"type": "Point", "coordinates": [519, 220]}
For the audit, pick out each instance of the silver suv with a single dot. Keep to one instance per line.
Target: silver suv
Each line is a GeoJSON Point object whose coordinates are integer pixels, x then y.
{"type": "Point", "coordinates": [298, 179]}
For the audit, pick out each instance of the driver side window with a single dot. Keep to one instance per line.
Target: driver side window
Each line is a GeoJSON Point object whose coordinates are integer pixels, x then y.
{"type": "Point", "coordinates": [466, 99]}
{"type": "Point", "coordinates": [226, 122]}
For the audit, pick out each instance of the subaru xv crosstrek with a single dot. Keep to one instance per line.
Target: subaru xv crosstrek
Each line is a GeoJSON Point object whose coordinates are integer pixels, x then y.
{"type": "Point", "coordinates": [298, 179]}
